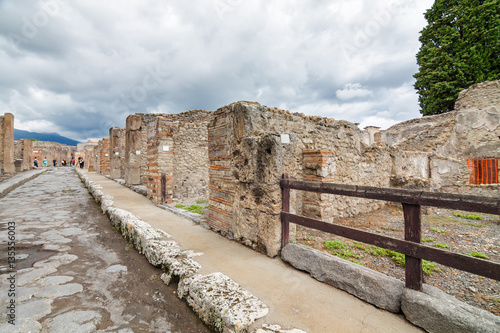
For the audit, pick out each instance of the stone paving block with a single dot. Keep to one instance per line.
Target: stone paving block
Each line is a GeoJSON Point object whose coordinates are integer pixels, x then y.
{"type": "Point", "coordinates": [221, 302]}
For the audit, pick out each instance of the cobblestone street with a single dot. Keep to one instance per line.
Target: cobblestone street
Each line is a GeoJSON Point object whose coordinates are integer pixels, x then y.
{"type": "Point", "coordinates": [73, 272]}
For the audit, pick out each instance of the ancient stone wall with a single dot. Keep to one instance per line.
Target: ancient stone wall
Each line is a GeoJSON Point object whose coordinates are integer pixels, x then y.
{"type": "Point", "coordinates": [160, 163]}
{"type": "Point", "coordinates": [51, 151]}
{"type": "Point", "coordinates": [104, 157]}
{"type": "Point", "coordinates": [190, 178]}
{"type": "Point", "coordinates": [89, 157]}
{"type": "Point", "coordinates": [251, 146]}
{"type": "Point", "coordinates": [437, 155]}
{"type": "Point", "coordinates": [116, 152]}
{"type": "Point", "coordinates": [178, 156]}
{"type": "Point", "coordinates": [23, 155]}
{"type": "Point", "coordinates": [136, 148]}
{"type": "Point", "coordinates": [7, 144]}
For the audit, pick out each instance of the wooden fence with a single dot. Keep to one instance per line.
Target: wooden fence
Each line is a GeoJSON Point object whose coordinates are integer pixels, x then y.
{"type": "Point", "coordinates": [412, 200]}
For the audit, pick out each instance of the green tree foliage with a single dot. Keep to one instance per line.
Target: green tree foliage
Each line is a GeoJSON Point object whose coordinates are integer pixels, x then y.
{"type": "Point", "coordinates": [460, 47]}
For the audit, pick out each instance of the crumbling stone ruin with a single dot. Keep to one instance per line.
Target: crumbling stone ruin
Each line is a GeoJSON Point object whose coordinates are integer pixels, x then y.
{"type": "Point", "coordinates": [236, 156]}
{"type": "Point", "coordinates": [23, 155]}
{"type": "Point", "coordinates": [51, 151]}
{"type": "Point", "coordinates": [7, 144]}
{"type": "Point", "coordinates": [167, 153]}
{"type": "Point", "coordinates": [15, 155]}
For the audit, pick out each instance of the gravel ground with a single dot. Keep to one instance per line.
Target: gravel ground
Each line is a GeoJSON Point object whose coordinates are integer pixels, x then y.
{"type": "Point", "coordinates": [440, 228]}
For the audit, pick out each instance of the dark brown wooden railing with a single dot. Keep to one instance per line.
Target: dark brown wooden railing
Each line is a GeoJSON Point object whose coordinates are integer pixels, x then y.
{"type": "Point", "coordinates": [411, 200]}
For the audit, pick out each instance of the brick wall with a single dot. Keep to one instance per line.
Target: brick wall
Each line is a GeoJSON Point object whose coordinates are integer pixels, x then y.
{"type": "Point", "coordinates": [221, 187]}
{"type": "Point", "coordinates": [160, 163]}
{"type": "Point", "coordinates": [104, 158]}
{"type": "Point", "coordinates": [177, 156]}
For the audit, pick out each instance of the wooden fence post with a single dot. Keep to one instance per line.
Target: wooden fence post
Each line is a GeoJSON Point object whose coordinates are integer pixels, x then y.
{"type": "Point", "coordinates": [413, 233]}
{"type": "Point", "coordinates": [285, 226]}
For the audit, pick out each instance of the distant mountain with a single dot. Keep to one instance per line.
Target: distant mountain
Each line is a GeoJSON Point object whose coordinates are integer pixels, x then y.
{"type": "Point", "coordinates": [52, 137]}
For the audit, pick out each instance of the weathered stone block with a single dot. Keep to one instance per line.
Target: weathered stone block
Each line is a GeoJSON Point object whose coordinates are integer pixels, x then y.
{"type": "Point", "coordinates": [436, 311]}
{"type": "Point", "coordinates": [371, 286]}
{"type": "Point", "coordinates": [134, 122]}
{"type": "Point", "coordinates": [221, 302]}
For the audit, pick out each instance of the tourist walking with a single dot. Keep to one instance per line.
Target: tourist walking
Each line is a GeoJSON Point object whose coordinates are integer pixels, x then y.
{"type": "Point", "coordinates": [45, 163]}
{"type": "Point", "coordinates": [35, 162]}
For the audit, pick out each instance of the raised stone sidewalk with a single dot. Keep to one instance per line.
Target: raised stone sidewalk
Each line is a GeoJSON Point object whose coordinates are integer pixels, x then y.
{"type": "Point", "coordinates": [231, 287]}
{"type": "Point", "coordinates": [17, 180]}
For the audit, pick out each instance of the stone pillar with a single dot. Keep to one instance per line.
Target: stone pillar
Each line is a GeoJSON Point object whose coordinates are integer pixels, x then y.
{"type": "Point", "coordinates": [104, 158]}
{"type": "Point", "coordinates": [89, 157]}
{"type": "Point", "coordinates": [7, 150]}
{"type": "Point", "coordinates": [23, 155]}
{"type": "Point", "coordinates": [160, 163]}
{"type": "Point", "coordinates": [246, 164]}
{"type": "Point", "coordinates": [133, 144]}
{"type": "Point", "coordinates": [115, 153]}
{"type": "Point", "coordinates": [319, 165]}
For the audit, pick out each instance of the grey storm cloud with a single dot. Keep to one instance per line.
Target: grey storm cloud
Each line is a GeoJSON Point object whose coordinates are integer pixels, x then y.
{"type": "Point", "coordinates": [80, 67]}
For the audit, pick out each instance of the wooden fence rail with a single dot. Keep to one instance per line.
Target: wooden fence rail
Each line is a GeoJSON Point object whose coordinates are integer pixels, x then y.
{"type": "Point", "coordinates": [412, 201]}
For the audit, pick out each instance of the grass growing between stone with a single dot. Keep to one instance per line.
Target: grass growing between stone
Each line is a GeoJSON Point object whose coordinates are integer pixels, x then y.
{"type": "Point", "coordinates": [193, 208]}
{"type": "Point", "coordinates": [478, 255]}
{"type": "Point", "coordinates": [349, 252]}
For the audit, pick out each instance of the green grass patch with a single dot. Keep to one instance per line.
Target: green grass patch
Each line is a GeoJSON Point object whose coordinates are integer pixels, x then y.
{"type": "Point", "coordinates": [479, 225]}
{"type": "Point", "coordinates": [478, 255]}
{"type": "Point", "coordinates": [430, 267]}
{"type": "Point", "coordinates": [469, 216]}
{"type": "Point", "coordinates": [442, 220]}
{"type": "Point", "coordinates": [441, 245]}
{"type": "Point", "coordinates": [439, 230]}
{"type": "Point", "coordinates": [342, 250]}
{"type": "Point", "coordinates": [201, 201]}
{"type": "Point", "coordinates": [335, 245]}
{"type": "Point", "coordinates": [195, 209]}
{"type": "Point", "coordinates": [430, 239]}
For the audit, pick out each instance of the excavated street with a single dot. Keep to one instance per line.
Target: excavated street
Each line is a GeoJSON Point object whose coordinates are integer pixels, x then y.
{"type": "Point", "coordinates": [72, 272]}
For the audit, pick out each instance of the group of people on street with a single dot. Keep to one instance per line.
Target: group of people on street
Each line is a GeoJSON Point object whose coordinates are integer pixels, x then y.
{"type": "Point", "coordinates": [72, 162]}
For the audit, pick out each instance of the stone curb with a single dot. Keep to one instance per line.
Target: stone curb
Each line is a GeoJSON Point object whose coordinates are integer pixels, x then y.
{"type": "Point", "coordinates": [436, 311]}
{"type": "Point", "coordinates": [219, 301]}
{"type": "Point", "coordinates": [371, 286]}
{"type": "Point", "coordinates": [432, 309]}
{"type": "Point", "coordinates": [18, 180]}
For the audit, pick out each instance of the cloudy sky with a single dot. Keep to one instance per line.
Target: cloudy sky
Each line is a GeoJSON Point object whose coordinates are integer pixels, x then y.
{"type": "Point", "coordinates": [79, 67]}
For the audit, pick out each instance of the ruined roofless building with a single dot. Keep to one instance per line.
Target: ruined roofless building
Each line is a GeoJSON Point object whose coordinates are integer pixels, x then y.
{"type": "Point", "coordinates": [240, 152]}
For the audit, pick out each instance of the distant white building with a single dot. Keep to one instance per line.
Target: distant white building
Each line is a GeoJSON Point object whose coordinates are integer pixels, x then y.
{"type": "Point", "coordinates": [81, 146]}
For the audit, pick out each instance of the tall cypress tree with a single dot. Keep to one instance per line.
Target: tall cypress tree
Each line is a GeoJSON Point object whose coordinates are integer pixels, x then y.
{"type": "Point", "coordinates": [460, 47]}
